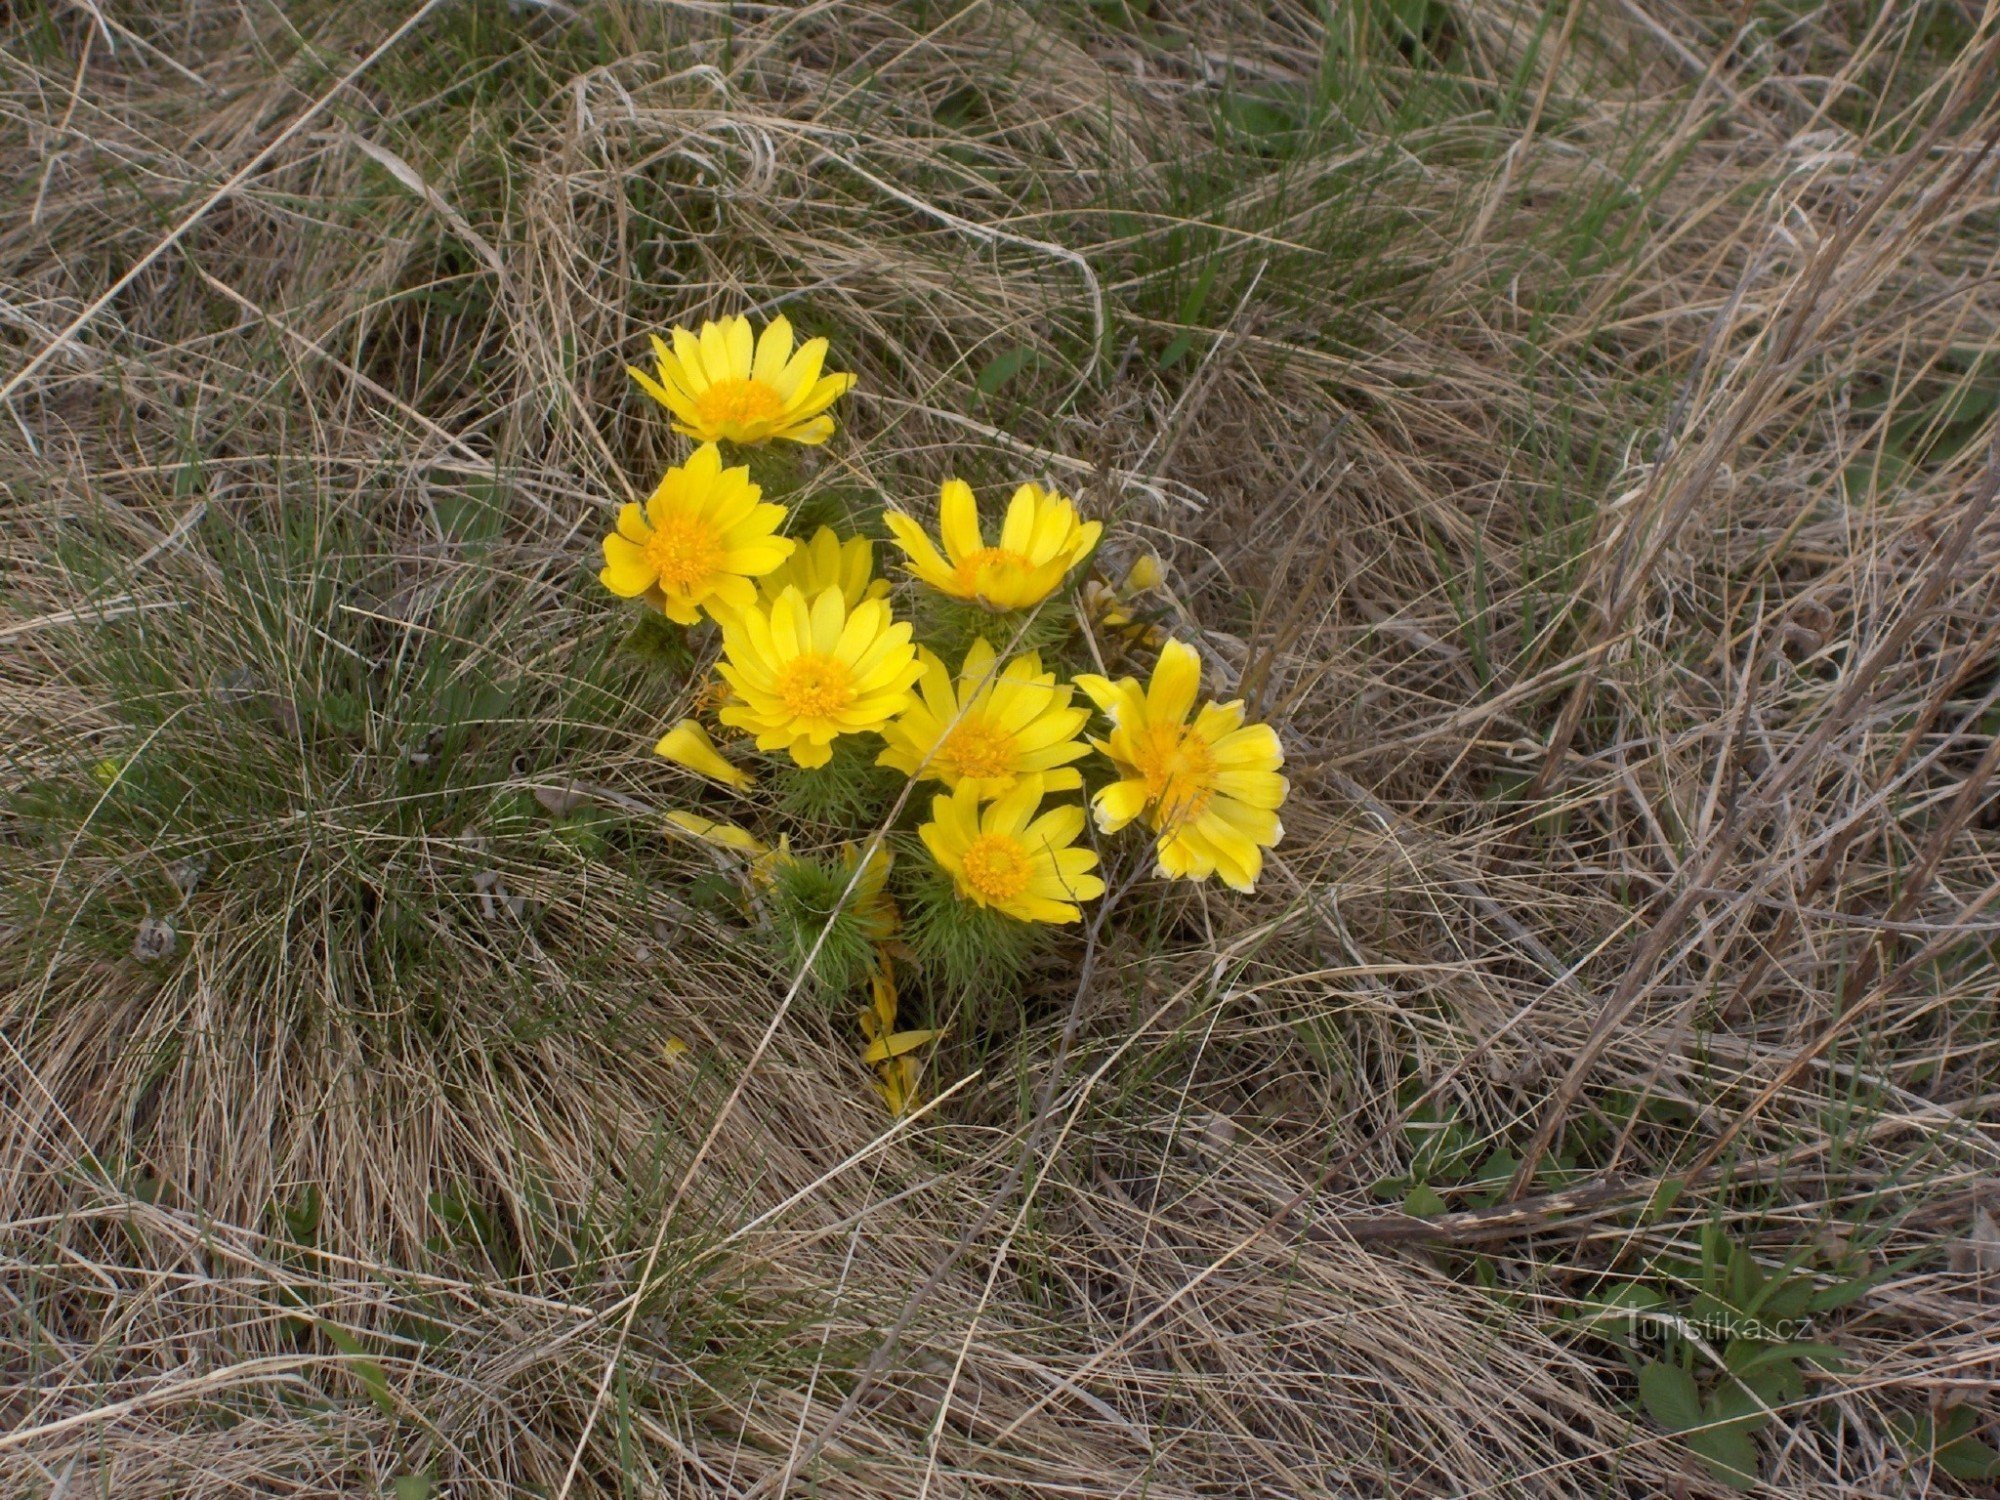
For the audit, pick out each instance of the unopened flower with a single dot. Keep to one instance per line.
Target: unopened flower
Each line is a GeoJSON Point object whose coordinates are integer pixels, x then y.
{"type": "Point", "coordinates": [724, 384]}
{"type": "Point", "coordinates": [1113, 609]}
{"type": "Point", "coordinates": [716, 832]}
{"type": "Point", "coordinates": [870, 900]}
{"type": "Point", "coordinates": [700, 541]}
{"type": "Point", "coordinates": [1041, 539]}
{"type": "Point", "coordinates": [1145, 573]}
{"type": "Point", "coordinates": [990, 727]}
{"type": "Point", "coordinates": [804, 673]}
{"type": "Point", "coordinates": [891, 1053]}
{"type": "Point", "coordinates": [687, 744]}
{"type": "Point", "coordinates": [1011, 858]}
{"type": "Point", "coordinates": [1210, 789]}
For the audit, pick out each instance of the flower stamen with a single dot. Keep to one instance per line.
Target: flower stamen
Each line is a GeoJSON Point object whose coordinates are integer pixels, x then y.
{"type": "Point", "coordinates": [684, 551]}
{"type": "Point", "coordinates": [1178, 769]}
{"type": "Point", "coordinates": [996, 866]}
{"type": "Point", "coordinates": [979, 748]}
{"type": "Point", "coordinates": [975, 569]}
{"type": "Point", "coordinates": [738, 404]}
{"type": "Point", "coordinates": [815, 686]}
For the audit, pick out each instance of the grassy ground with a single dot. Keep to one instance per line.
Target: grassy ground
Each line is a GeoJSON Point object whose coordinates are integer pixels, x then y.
{"type": "Point", "coordinates": [1568, 422]}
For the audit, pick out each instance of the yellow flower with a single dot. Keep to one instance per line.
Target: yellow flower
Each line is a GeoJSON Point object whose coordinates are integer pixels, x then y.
{"type": "Point", "coordinates": [805, 673]}
{"type": "Point", "coordinates": [990, 729]}
{"type": "Point", "coordinates": [723, 385]}
{"type": "Point", "coordinates": [1040, 541]}
{"type": "Point", "coordinates": [699, 542]}
{"type": "Point", "coordinates": [687, 744]}
{"type": "Point", "coordinates": [1210, 789]}
{"type": "Point", "coordinates": [1006, 858]}
{"type": "Point", "coordinates": [828, 562]}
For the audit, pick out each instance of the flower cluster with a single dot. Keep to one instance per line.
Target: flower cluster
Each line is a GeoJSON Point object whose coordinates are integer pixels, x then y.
{"type": "Point", "coordinates": [820, 674]}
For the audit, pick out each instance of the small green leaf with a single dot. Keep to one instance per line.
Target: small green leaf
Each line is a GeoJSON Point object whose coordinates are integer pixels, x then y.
{"type": "Point", "coordinates": [1746, 1278]}
{"type": "Point", "coordinates": [1970, 1460]}
{"type": "Point", "coordinates": [1197, 297]}
{"type": "Point", "coordinates": [1736, 1408]}
{"type": "Point", "coordinates": [367, 1371]}
{"type": "Point", "coordinates": [1785, 1299]}
{"type": "Point", "coordinates": [1669, 1395]}
{"type": "Point", "coordinates": [1176, 351]}
{"type": "Point", "coordinates": [1002, 368]}
{"type": "Point", "coordinates": [1423, 1202]}
{"type": "Point", "coordinates": [1728, 1453]}
{"type": "Point", "coordinates": [1951, 1446]}
{"type": "Point", "coordinates": [414, 1487]}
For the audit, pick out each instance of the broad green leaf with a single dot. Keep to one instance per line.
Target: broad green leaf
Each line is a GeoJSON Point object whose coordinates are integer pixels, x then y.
{"type": "Point", "coordinates": [1669, 1395]}
{"type": "Point", "coordinates": [1951, 1446]}
{"type": "Point", "coordinates": [1423, 1202]}
{"type": "Point", "coordinates": [1002, 368]}
{"type": "Point", "coordinates": [1729, 1454]}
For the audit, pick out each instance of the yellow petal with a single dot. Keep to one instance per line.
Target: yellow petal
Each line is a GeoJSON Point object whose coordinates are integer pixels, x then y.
{"type": "Point", "coordinates": [688, 356]}
{"type": "Point", "coordinates": [896, 1044]}
{"type": "Point", "coordinates": [627, 573]}
{"type": "Point", "coordinates": [958, 520]}
{"type": "Point", "coordinates": [774, 351]}
{"type": "Point", "coordinates": [801, 374]}
{"type": "Point", "coordinates": [1176, 681]}
{"type": "Point", "coordinates": [1118, 804]}
{"type": "Point", "coordinates": [1017, 532]}
{"type": "Point", "coordinates": [688, 744]}
{"type": "Point", "coordinates": [924, 560]}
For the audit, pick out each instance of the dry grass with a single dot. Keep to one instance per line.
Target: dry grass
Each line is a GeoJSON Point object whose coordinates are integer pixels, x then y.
{"type": "Point", "coordinates": [1569, 426]}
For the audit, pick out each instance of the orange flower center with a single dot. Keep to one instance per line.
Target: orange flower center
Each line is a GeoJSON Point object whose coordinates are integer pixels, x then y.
{"type": "Point", "coordinates": [972, 569]}
{"type": "Point", "coordinates": [815, 686]}
{"type": "Point", "coordinates": [1178, 768]}
{"type": "Point", "coordinates": [996, 866]}
{"type": "Point", "coordinates": [684, 552]}
{"type": "Point", "coordinates": [738, 404]}
{"type": "Point", "coordinates": [979, 748]}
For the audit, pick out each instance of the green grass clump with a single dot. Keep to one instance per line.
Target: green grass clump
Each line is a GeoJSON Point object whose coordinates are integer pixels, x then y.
{"type": "Point", "coordinates": [850, 791]}
{"type": "Point", "coordinates": [810, 896]}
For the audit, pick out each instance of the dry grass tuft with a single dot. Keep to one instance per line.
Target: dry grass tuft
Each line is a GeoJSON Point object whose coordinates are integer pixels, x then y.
{"type": "Point", "coordinates": [1573, 425]}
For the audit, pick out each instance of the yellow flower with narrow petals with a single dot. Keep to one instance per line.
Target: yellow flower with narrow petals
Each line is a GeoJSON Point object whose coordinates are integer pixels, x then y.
{"type": "Point", "coordinates": [805, 672]}
{"type": "Point", "coordinates": [989, 728]}
{"type": "Point", "coordinates": [1209, 789]}
{"type": "Point", "coordinates": [700, 541]}
{"type": "Point", "coordinates": [726, 385]}
{"type": "Point", "coordinates": [1040, 541]}
{"type": "Point", "coordinates": [828, 562]}
{"type": "Point", "coordinates": [687, 744]}
{"type": "Point", "coordinates": [1009, 859]}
